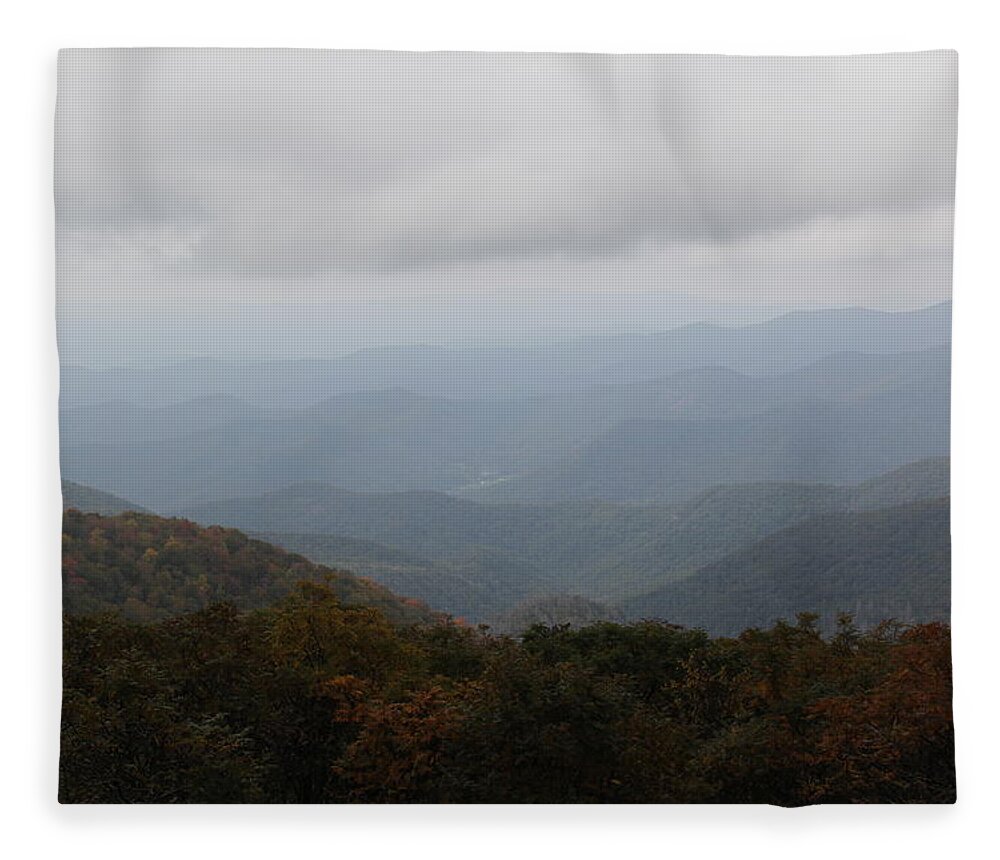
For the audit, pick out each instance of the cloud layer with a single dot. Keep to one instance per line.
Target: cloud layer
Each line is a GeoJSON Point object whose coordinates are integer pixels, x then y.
{"type": "Point", "coordinates": [298, 161]}
{"type": "Point", "coordinates": [285, 170]}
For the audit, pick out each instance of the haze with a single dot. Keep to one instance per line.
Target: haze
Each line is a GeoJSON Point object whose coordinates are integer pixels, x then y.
{"type": "Point", "coordinates": [244, 203]}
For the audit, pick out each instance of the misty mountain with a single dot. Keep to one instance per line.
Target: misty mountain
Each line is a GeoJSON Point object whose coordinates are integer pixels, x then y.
{"type": "Point", "coordinates": [778, 345]}
{"type": "Point", "coordinates": [120, 421]}
{"type": "Point", "coordinates": [727, 517]}
{"type": "Point", "coordinates": [810, 441]}
{"type": "Point", "coordinates": [481, 560]}
{"type": "Point", "coordinates": [466, 582]}
{"type": "Point", "coordinates": [90, 501]}
{"type": "Point", "coordinates": [591, 443]}
{"type": "Point", "coordinates": [888, 563]}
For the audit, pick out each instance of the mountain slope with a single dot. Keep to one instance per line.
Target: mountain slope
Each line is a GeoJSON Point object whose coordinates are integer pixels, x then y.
{"type": "Point", "coordinates": [480, 560]}
{"type": "Point", "coordinates": [644, 460]}
{"type": "Point", "coordinates": [466, 584]}
{"type": "Point", "coordinates": [92, 501]}
{"type": "Point", "coordinates": [121, 421]}
{"type": "Point", "coordinates": [887, 563]}
{"type": "Point", "coordinates": [149, 568]}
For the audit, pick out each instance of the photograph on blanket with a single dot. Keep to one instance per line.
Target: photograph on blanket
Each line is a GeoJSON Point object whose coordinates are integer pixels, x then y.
{"type": "Point", "coordinates": [505, 428]}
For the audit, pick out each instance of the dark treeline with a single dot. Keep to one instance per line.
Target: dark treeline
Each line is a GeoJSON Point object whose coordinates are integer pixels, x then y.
{"type": "Point", "coordinates": [315, 701]}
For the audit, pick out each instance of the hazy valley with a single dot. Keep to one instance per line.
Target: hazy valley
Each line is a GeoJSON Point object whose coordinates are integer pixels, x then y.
{"type": "Point", "coordinates": [655, 476]}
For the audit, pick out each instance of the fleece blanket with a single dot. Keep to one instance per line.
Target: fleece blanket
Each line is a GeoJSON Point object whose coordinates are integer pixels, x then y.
{"type": "Point", "coordinates": [505, 428]}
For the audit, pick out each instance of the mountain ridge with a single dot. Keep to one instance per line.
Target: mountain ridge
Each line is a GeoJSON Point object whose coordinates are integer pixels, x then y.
{"type": "Point", "coordinates": [782, 343]}
{"type": "Point", "coordinates": [492, 451]}
{"type": "Point", "coordinates": [888, 563]}
{"type": "Point", "coordinates": [599, 550]}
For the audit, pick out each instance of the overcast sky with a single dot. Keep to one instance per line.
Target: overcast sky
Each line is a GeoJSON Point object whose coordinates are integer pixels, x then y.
{"type": "Point", "coordinates": [363, 193]}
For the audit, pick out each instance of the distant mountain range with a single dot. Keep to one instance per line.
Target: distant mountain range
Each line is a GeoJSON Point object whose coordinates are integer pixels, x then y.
{"type": "Point", "coordinates": [481, 560]}
{"type": "Point", "coordinates": [810, 441]}
{"type": "Point", "coordinates": [736, 556]}
{"type": "Point", "coordinates": [681, 474]}
{"type": "Point", "coordinates": [844, 418]}
{"type": "Point", "coordinates": [776, 346]}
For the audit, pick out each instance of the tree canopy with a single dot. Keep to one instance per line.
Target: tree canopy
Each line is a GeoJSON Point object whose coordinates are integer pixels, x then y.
{"type": "Point", "coordinates": [312, 700]}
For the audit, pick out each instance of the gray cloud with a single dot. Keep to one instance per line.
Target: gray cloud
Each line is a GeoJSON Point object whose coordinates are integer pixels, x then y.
{"type": "Point", "coordinates": [297, 162]}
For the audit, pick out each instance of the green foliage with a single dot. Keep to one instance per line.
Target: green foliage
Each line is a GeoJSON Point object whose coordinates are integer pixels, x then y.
{"type": "Point", "coordinates": [314, 701]}
{"type": "Point", "coordinates": [888, 563]}
{"type": "Point", "coordinates": [150, 568]}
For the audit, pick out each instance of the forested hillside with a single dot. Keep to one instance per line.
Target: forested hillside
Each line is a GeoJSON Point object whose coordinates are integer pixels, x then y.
{"type": "Point", "coordinates": [888, 563]}
{"type": "Point", "coordinates": [308, 685]}
{"type": "Point", "coordinates": [312, 701]}
{"type": "Point", "coordinates": [93, 501]}
{"type": "Point", "coordinates": [149, 568]}
{"type": "Point", "coordinates": [479, 561]}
